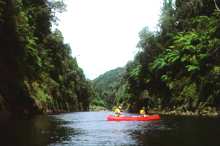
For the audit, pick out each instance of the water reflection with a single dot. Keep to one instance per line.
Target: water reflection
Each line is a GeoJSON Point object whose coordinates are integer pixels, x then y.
{"type": "Point", "coordinates": [39, 131]}
{"type": "Point", "coordinates": [181, 131]}
{"type": "Point", "coordinates": [92, 129]}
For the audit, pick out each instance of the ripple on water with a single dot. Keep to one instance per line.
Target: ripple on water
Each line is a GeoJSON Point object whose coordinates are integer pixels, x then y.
{"type": "Point", "coordinates": [94, 130]}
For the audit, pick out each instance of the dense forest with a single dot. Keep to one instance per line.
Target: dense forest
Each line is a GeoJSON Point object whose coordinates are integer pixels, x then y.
{"type": "Point", "coordinates": [177, 67]}
{"type": "Point", "coordinates": [106, 87]}
{"type": "Point", "coordinates": [37, 73]}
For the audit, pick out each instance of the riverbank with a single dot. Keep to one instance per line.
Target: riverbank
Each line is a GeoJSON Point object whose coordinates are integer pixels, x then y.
{"type": "Point", "coordinates": [96, 108]}
{"type": "Point", "coordinates": [206, 112]}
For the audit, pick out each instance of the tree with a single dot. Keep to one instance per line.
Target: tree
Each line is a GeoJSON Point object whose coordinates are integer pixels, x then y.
{"type": "Point", "coordinates": [38, 71]}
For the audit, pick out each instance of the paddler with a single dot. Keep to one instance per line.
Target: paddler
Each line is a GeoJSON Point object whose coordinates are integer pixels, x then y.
{"type": "Point", "coordinates": [117, 111]}
{"type": "Point", "coordinates": [143, 112]}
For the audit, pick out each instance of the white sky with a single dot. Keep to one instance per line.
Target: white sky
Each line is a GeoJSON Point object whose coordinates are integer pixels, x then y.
{"type": "Point", "coordinates": [103, 34]}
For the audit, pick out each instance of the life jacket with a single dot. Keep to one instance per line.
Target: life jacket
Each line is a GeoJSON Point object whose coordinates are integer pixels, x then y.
{"type": "Point", "coordinates": [117, 111]}
{"type": "Point", "coordinates": [142, 112]}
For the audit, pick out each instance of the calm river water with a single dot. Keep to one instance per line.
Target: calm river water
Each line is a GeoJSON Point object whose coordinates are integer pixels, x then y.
{"type": "Point", "coordinates": [92, 129]}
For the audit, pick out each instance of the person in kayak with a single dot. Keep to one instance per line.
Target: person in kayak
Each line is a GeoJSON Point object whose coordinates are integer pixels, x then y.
{"type": "Point", "coordinates": [117, 111]}
{"type": "Point", "coordinates": [143, 112]}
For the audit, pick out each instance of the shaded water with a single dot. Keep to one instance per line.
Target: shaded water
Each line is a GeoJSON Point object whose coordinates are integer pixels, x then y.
{"type": "Point", "coordinates": [92, 129]}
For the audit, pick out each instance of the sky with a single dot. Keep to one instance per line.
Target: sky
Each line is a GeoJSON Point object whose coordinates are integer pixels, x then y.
{"type": "Point", "coordinates": [103, 34]}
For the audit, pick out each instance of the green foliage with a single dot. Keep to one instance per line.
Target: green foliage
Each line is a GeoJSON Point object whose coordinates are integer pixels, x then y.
{"type": "Point", "coordinates": [167, 21]}
{"type": "Point", "coordinates": [164, 78]}
{"type": "Point", "coordinates": [179, 64]}
{"type": "Point", "coordinates": [42, 70]}
{"type": "Point", "coordinates": [159, 64]}
{"type": "Point", "coordinates": [107, 85]}
{"type": "Point", "coordinates": [40, 92]}
{"type": "Point", "coordinates": [145, 36]}
{"type": "Point", "coordinates": [189, 91]}
{"type": "Point", "coordinates": [56, 6]}
{"type": "Point", "coordinates": [135, 72]}
{"type": "Point", "coordinates": [98, 102]}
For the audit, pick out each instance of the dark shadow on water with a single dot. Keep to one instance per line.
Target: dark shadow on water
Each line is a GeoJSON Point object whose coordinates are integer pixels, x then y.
{"type": "Point", "coordinates": [180, 131]}
{"type": "Point", "coordinates": [92, 129]}
{"type": "Point", "coordinates": [38, 131]}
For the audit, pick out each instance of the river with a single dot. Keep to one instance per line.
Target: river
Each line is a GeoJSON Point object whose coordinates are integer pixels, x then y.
{"type": "Point", "coordinates": [92, 129]}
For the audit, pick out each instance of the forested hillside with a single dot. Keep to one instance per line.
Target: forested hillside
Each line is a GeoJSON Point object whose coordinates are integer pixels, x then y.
{"type": "Point", "coordinates": [106, 86]}
{"type": "Point", "coordinates": [37, 72]}
{"type": "Point", "coordinates": [178, 66]}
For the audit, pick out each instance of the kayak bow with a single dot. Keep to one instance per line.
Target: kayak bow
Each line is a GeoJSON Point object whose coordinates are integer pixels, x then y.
{"type": "Point", "coordinates": [133, 118]}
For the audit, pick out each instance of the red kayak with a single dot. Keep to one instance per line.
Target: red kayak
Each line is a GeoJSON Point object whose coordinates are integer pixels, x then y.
{"type": "Point", "coordinates": [133, 118]}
